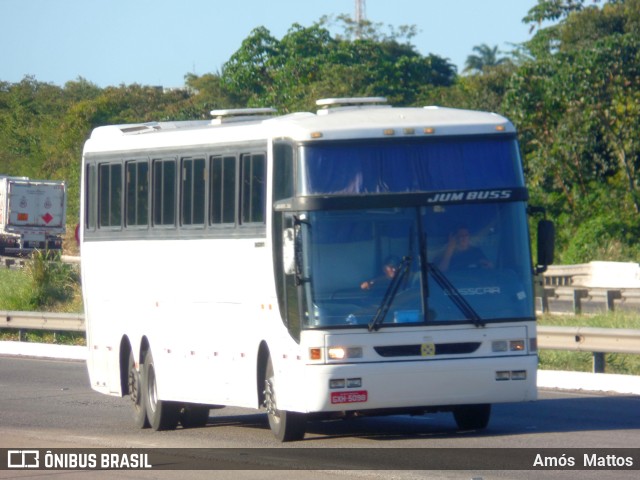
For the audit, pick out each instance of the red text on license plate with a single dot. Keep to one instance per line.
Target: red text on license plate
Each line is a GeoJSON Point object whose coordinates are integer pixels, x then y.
{"type": "Point", "coordinates": [349, 397]}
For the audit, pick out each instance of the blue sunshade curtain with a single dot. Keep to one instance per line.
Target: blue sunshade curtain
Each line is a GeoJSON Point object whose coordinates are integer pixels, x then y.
{"type": "Point", "coordinates": [379, 167]}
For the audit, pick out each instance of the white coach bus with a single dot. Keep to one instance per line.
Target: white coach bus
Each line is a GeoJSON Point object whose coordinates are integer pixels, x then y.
{"type": "Point", "coordinates": [361, 260]}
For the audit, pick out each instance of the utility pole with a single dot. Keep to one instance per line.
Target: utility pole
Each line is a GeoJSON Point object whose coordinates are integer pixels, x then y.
{"type": "Point", "coordinates": [360, 17]}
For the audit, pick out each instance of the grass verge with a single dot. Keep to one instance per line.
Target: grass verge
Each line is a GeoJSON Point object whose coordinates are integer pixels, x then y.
{"type": "Point", "coordinates": [44, 284]}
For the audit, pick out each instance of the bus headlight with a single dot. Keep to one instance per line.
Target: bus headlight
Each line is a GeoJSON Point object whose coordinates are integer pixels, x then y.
{"type": "Point", "coordinates": [344, 353]}
{"type": "Point", "coordinates": [499, 346]}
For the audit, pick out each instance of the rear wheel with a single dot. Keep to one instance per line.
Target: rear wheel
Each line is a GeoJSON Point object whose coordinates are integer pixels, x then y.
{"type": "Point", "coordinates": [194, 415]}
{"type": "Point", "coordinates": [162, 415]}
{"type": "Point", "coordinates": [135, 385]}
{"type": "Point", "coordinates": [472, 417]}
{"type": "Point", "coordinates": [286, 426]}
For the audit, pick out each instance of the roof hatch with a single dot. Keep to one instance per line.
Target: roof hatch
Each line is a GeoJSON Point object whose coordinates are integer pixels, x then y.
{"type": "Point", "coordinates": [240, 114]}
{"type": "Point", "coordinates": [328, 104]}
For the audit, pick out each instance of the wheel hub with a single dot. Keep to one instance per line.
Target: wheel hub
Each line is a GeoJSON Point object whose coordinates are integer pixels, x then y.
{"type": "Point", "coordinates": [134, 386]}
{"type": "Point", "coordinates": [269, 398]}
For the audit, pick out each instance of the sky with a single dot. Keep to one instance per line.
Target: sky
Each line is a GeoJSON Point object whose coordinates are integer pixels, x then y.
{"type": "Point", "coordinates": [158, 42]}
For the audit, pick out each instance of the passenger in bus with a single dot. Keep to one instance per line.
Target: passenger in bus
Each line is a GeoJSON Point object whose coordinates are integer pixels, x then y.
{"type": "Point", "coordinates": [459, 253]}
{"type": "Point", "coordinates": [389, 270]}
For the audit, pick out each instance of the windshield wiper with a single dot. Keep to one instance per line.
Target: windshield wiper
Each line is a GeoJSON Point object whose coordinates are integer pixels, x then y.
{"type": "Point", "coordinates": [456, 297]}
{"type": "Point", "coordinates": [390, 294]}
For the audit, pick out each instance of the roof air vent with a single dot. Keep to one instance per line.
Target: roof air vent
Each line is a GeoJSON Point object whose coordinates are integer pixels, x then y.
{"type": "Point", "coordinates": [328, 104]}
{"type": "Point", "coordinates": [240, 114]}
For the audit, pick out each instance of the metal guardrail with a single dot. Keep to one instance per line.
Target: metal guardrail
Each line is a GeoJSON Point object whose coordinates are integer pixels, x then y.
{"type": "Point", "coordinates": [20, 262]}
{"type": "Point", "coordinates": [598, 341]}
{"type": "Point", "coordinates": [62, 322]}
{"type": "Point", "coordinates": [577, 300]}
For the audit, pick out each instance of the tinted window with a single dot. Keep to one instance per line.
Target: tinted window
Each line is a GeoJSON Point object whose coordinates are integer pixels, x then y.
{"type": "Point", "coordinates": [223, 189]}
{"type": "Point", "coordinates": [164, 192]}
{"type": "Point", "coordinates": [137, 201]}
{"type": "Point", "coordinates": [253, 188]}
{"type": "Point", "coordinates": [110, 195]}
{"type": "Point", "coordinates": [193, 191]}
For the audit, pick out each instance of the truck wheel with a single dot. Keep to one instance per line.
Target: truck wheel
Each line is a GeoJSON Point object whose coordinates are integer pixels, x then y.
{"type": "Point", "coordinates": [162, 414]}
{"type": "Point", "coordinates": [136, 385]}
{"type": "Point", "coordinates": [472, 417]}
{"type": "Point", "coordinates": [285, 426]}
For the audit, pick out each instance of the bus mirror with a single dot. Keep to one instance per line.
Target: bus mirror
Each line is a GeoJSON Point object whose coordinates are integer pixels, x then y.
{"type": "Point", "coordinates": [546, 241]}
{"type": "Point", "coordinates": [288, 251]}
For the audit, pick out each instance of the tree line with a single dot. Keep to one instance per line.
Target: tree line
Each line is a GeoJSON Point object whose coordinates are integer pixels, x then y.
{"type": "Point", "coordinates": [572, 91]}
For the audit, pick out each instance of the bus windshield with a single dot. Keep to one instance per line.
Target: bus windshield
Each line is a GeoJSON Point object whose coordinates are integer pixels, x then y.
{"type": "Point", "coordinates": [347, 168]}
{"type": "Point", "coordinates": [404, 266]}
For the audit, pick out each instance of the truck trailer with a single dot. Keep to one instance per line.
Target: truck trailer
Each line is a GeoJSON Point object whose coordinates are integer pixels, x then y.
{"type": "Point", "coordinates": [32, 215]}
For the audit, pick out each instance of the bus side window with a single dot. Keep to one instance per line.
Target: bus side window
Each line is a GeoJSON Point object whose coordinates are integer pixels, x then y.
{"type": "Point", "coordinates": [282, 171]}
{"type": "Point", "coordinates": [193, 191]}
{"type": "Point", "coordinates": [253, 193]}
{"type": "Point", "coordinates": [164, 192]}
{"type": "Point", "coordinates": [222, 193]}
{"type": "Point", "coordinates": [137, 193]}
{"type": "Point", "coordinates": [90, 198]}
{"type": "Point", "coordinates": [110, 194]}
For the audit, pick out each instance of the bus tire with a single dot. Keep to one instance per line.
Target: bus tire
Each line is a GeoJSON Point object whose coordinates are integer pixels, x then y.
{"type": "Point", "coordinates": [135, 386]}
{"type": "Point", "coordinates": [194, 415]}
{"type": "Point", "coordinates": [472, 417]}
{"type": "Point", "coordinates": [286, 426]}
{"type": "Point", "coordinates": [161, 414]}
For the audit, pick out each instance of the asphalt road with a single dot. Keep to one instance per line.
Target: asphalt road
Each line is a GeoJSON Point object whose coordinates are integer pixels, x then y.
{"type": "Point", "coordinates": [49, 404]}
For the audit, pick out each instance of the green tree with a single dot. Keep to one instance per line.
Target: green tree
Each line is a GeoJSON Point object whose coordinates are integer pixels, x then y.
{"type": "Point", "coordinates": [308, 62]}
{"type": "Point", "coordinates": [248, 73]}
{"type": "Point", "coordinates": [484, 92]}
{"type": "Point", "coordinates": [486, 58]}
{"type": "Point", "coordinates": [207, 92]}
{"type": "Point", "coordinates": [576, 106]}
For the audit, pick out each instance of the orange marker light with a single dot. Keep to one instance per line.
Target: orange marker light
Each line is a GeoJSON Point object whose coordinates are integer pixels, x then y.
{"type": "Point", "coordinates": [315, 353]}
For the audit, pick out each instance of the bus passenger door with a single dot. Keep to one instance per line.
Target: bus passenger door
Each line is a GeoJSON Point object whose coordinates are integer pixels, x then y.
{"type": "Point", "coordinates": [286, 240]}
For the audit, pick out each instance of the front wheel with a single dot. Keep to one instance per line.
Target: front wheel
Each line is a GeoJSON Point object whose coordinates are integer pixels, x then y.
{"type": "Point", "coordinates": [472, 417]}
{"type": "Point", "coordinates": [286, 426]}
{"type": "Point", "coordinates": [162, 415]}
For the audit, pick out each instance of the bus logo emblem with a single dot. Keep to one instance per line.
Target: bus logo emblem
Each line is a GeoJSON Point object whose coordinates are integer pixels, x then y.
{"type": "Point", "coordinates": [428, 349]}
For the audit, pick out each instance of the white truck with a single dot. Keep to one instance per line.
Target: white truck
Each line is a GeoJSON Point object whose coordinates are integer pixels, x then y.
{"type": "Point", "coordinates": [32, 214]}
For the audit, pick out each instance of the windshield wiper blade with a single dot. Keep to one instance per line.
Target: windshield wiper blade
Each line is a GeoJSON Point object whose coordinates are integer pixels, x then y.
{"type": "Point", "coordinates": [455, 295]}
{"type": "Point", "coordinates": [390, 294]}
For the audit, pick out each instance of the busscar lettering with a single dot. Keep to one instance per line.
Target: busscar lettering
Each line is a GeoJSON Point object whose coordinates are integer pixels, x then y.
{"type": "Point", "coordinates": [478, 291]}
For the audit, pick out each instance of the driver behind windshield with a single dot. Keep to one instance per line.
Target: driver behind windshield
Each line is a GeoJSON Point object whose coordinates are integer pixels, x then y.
{"type": "Point", "coordinates": [460, 253]}
{"type": "Point", "coordinates": [389, 270]}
